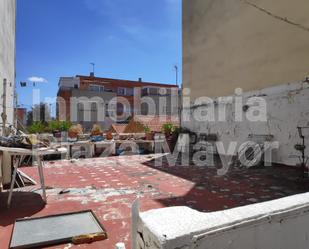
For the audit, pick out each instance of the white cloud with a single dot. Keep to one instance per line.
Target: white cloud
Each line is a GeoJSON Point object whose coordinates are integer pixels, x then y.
{"type": "Point", "coordinates": [37, 79]}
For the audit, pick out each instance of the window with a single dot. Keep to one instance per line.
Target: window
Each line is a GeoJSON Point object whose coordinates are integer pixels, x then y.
{"type": "Point", "coordinates": [93, 112]}
{"type": "Point", "coordinates": [80, 112]}
{"type": "Point", "coordinates": [150, 91]}
{"type": "Point", "coordinates": [96, 88]}
{"type": "Point", "coordinates": [165, 91]}
{"type": "Point", "coordinates": [153, 91]}
{"type": "Point", "coordinates": [165, 110]}
{"type": "Point", "coordinates": [121, 91]}
{"type": "Point", "coordinates": [129, 91]}
{"type": "Point", "coordinates": [125, 91]}
{"type": "Point", "coordinates": [144, 91]}
{"type": "Point", "coordinates": [106, 110]}
{"type": "Point", "coordinates": [120, 108]}
{"type": "Point", "coordinates": [144, 109]}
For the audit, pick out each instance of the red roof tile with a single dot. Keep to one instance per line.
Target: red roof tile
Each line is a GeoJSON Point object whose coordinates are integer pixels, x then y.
{"type": "Point", "coordinates": [156, 120]}
{"type": "Point", "coordinates": [155, 123]}
{"type": "Point", "coordinates": [118, 128]}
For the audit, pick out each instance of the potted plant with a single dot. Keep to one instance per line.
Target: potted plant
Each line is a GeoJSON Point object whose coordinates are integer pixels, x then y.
{"type": "Point", "coordinates": [148, 134]}
{"type": "Point", "coordinates": [74, 131]}
{"type": "Point", "coordinates": [96, 133]}
{"type": "Point", "coordinates": [53, 127]}
{"type": "Point", "coordinates": [64, 125]}
{"type": "Point", "coordinates": [36, 127]}
{"type": "Point", "coordinates": [109, 135]}
{"type": "Point", "coordinates": [96, 130]}
{"type": "Point", "coordinates": [168, 129]}
{"type": "Point", "coordinates": [58, 127]}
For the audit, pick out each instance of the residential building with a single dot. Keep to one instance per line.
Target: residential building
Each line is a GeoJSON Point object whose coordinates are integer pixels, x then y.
{"type": "Point", "coordinates": [21, 116]}
{"type": "Point", "coordinates": [7, 60]}
{"type": "Point", "coordinates": [258, 46]}
{"type": "Point", "coordinates": [89, 99]}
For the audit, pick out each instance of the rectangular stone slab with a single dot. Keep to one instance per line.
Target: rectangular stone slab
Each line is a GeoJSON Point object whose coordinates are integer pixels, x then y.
{"type": "Point", "coordinates": [55, 229]}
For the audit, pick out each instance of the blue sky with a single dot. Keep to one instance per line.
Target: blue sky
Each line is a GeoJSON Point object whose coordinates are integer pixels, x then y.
{"type": "Point", "coordinates": [127, 39]}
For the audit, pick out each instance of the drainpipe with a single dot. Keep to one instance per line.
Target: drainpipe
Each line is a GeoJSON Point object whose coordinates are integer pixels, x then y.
{"type": "Point", "coordinates": [3, 114]}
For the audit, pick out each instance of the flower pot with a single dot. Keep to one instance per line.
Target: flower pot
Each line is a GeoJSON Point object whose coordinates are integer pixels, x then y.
{"type": "Point", "coordinates": [149, 136]}
{"type": "Point", "coordinates": [96, 133]}
{"type": "Point", "coordinates": [109, 136]}
{"type": "Point", "coordinates": [97, 138]}
{"type": "Point", "coordinates": [167, 135]}
{"type": "Point", "coordinates": [72, 134]}
{"type": "Point", "coordinates": [171, 142]}
{"type": "Point", "coordinates": [57, 134]}
{"type": "Point", "coordinates": [83, 137]}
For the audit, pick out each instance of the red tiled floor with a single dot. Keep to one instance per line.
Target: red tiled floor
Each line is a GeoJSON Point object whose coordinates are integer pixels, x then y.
{"type": "Point", "coordinates": [108, 186]}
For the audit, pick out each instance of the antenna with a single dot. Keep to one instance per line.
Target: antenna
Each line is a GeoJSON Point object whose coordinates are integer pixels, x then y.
{"type": "Point", "coordinates": [176, 70]}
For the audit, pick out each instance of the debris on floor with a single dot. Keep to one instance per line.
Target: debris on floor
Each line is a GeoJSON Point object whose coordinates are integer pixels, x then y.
{"type": "Point", "coordinates": [109, 186]}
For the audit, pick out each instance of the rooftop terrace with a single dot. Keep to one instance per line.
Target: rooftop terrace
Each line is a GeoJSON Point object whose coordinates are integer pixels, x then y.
{"type": "Point", "coordinates": [108, 186]}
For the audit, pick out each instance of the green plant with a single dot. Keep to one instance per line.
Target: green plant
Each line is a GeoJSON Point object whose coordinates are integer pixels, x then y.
{"type": "Point", "coordinates": [36, 127]}
{"type": "Point", "coordinates": [56, 125]}
{"type": "Point", "coordinates": [168, 128]}
{"type": "Point", "coordinates": [53, 125]}
{"type": "Point", "coordinates": [177, 131]}
{"type": "Point", "coordinates": [147, 129]}
{"type": "Point", "coordinates": [64, 125]}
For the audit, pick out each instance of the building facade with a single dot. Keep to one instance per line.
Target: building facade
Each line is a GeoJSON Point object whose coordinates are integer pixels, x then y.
{"type": "Point", "coordinates": [21, 117]}
{"type": "Point", "coordinates": [7, 59]}
{"type": "Point", "coordinates": [7, 78]}
{"type": "Point", "coordinates": [250, 51]}
{"type": "Point", "coordinates": [89, 99]}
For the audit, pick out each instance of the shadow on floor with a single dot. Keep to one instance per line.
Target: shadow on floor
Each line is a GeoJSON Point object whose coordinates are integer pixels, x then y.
{"type": "Point", "coordinates": [239, 187]}
{"type": "Point", "coordinates": [28, 204]}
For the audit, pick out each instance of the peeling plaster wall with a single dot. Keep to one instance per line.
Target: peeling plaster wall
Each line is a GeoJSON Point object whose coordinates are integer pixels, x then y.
{"type": "Point", "coordinates": [287, 108]}
{"type": "Point", "coordinates": [278, 224]}
{"type": "Point", "coordinates": [255, 45]}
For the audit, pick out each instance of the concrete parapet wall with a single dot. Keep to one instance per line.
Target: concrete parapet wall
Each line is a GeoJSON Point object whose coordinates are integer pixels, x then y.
{"type": "Point", "coordinates": [275, 224]}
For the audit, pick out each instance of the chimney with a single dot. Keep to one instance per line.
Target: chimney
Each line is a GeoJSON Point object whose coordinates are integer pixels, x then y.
{"type": "Point", "coordinates": [91, 74]}
{"type": "Point", "coordinates": [140, 79]}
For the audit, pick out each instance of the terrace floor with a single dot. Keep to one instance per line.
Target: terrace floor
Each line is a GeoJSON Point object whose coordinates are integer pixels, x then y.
{"type": "Point", "coordinates": [108, 186]}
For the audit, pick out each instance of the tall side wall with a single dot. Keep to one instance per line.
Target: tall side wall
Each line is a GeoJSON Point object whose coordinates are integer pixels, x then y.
{"type": "Point", "coordinates": [252, 44]}
{"type": "Point", "coordinates": [7, 69]}
{"type": "Point", "coordinates": [259, 46]}
{"type": "Point", "coordinates": [7, 54]}
{"type": "Point", "coordinates": [286, 108]}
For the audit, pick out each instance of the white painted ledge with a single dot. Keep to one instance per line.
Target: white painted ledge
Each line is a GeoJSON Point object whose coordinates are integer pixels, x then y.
{"type": "Point", "coordinates": [282, 223]}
